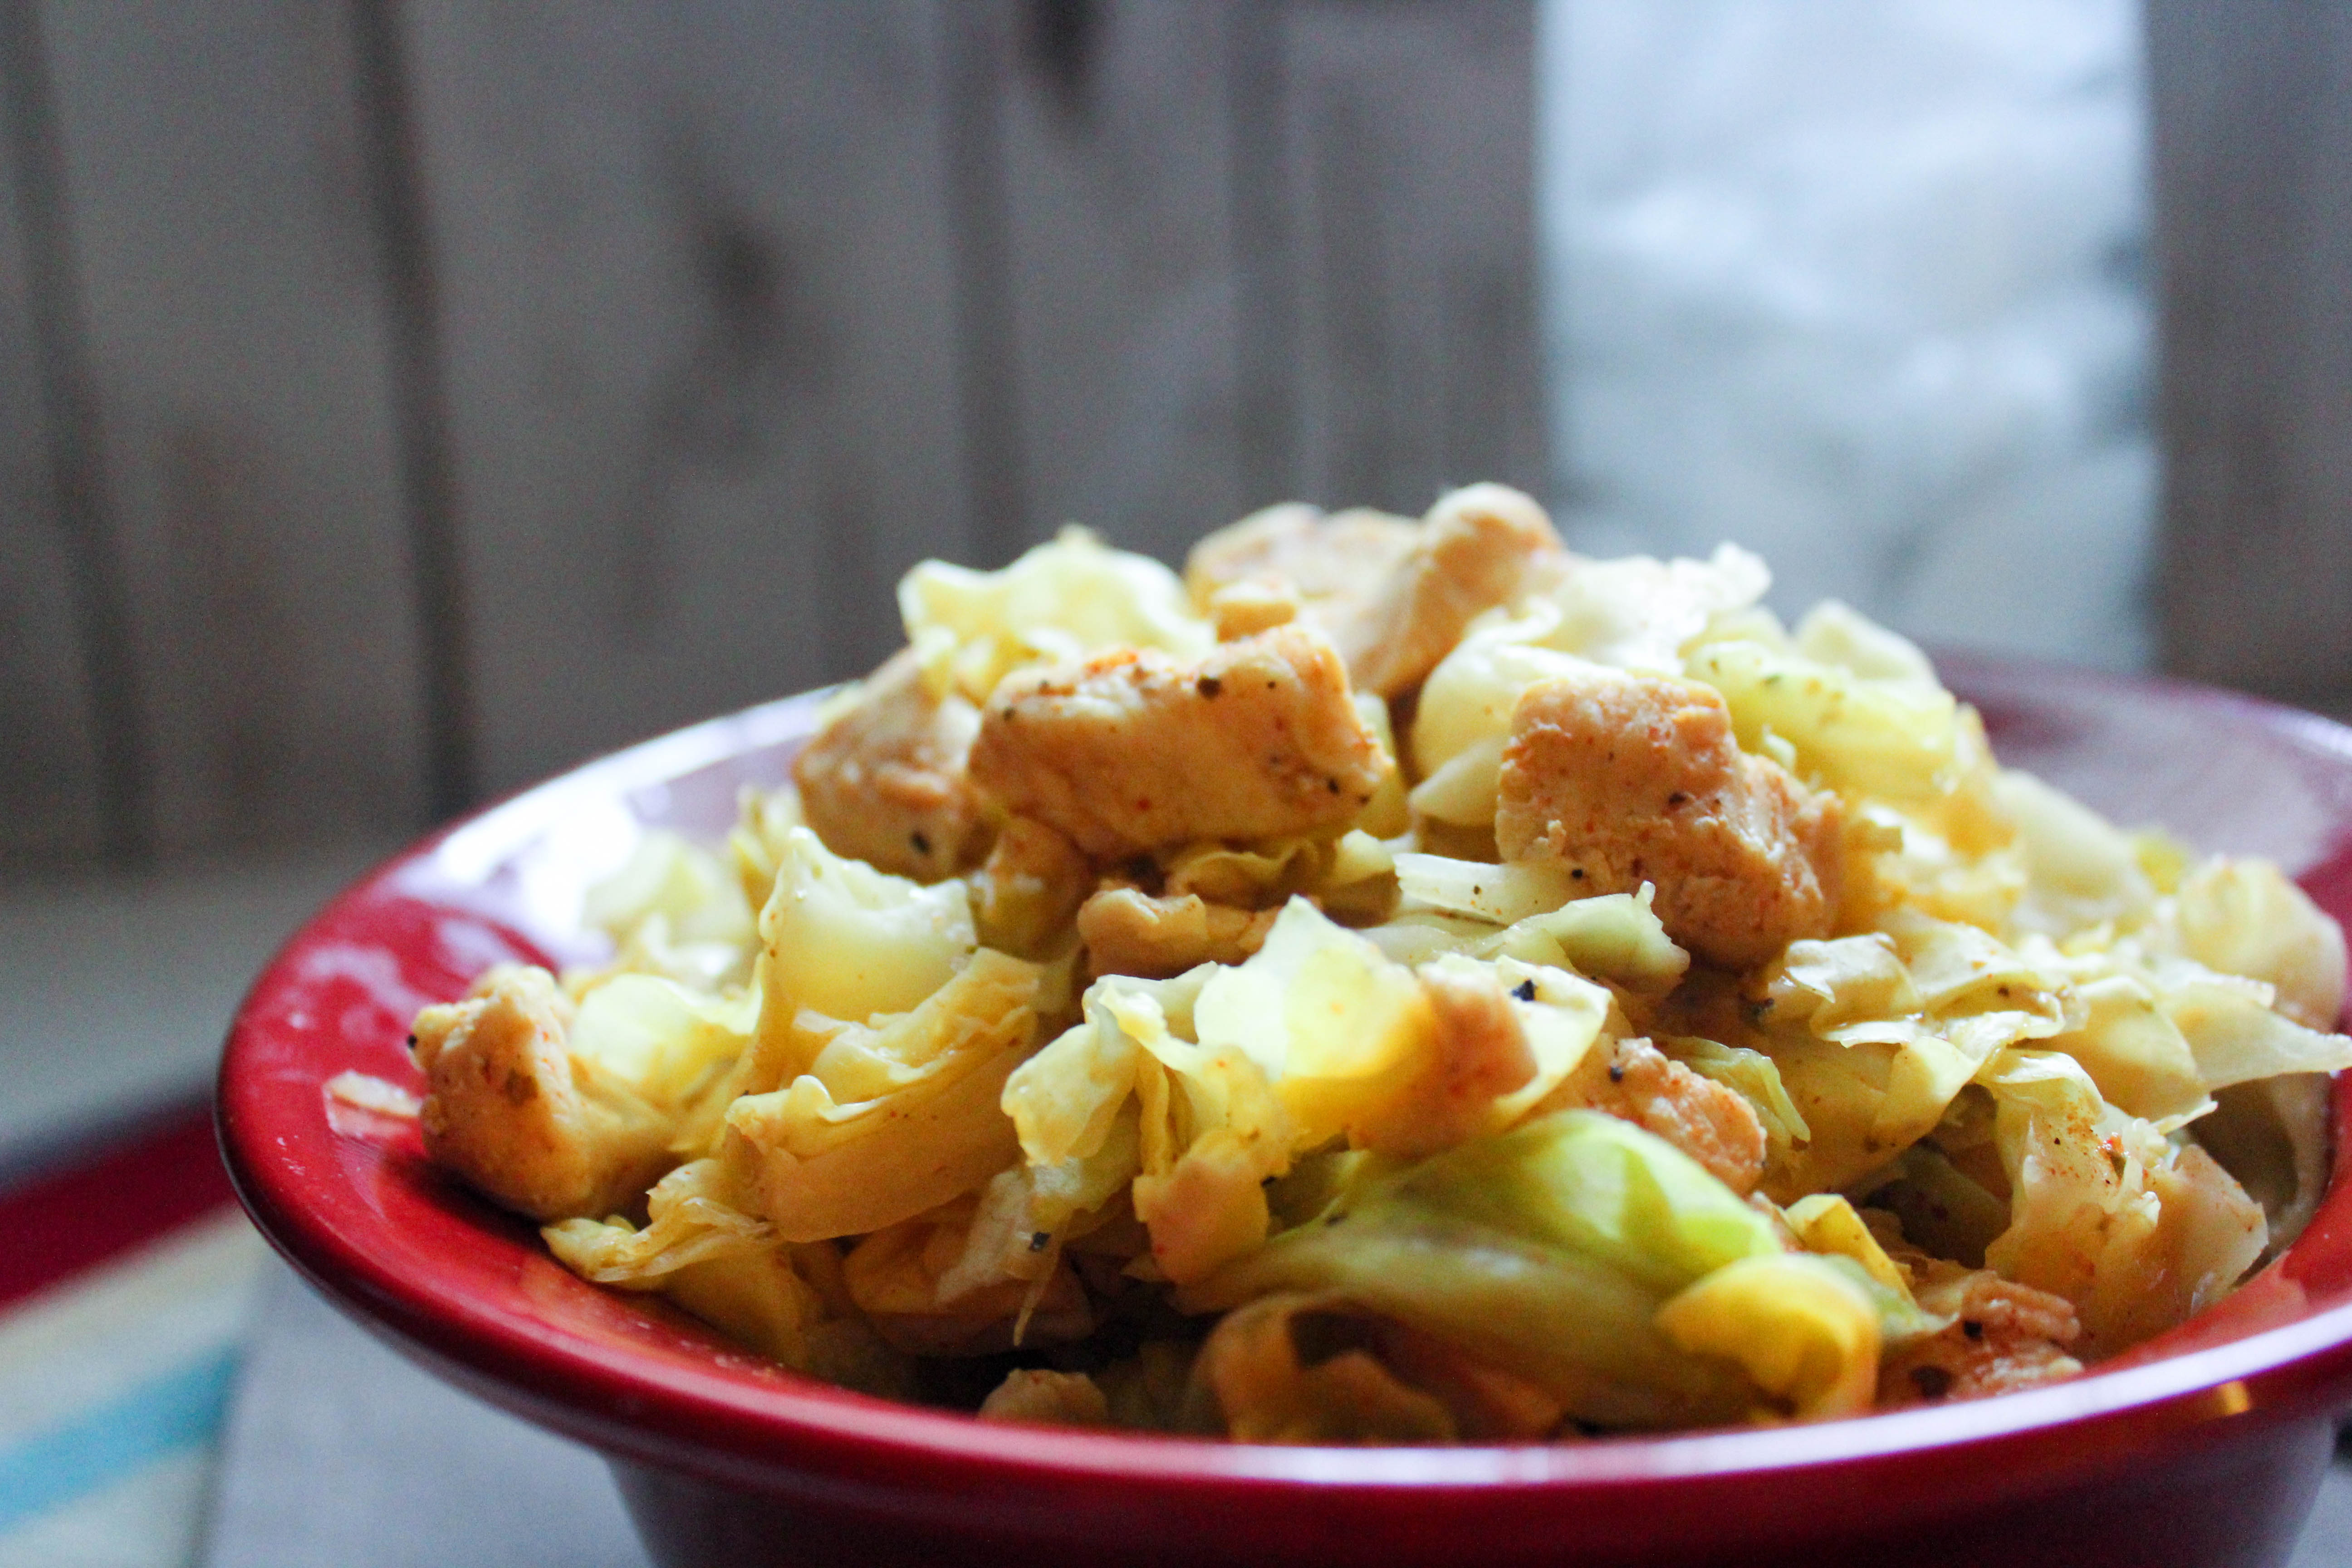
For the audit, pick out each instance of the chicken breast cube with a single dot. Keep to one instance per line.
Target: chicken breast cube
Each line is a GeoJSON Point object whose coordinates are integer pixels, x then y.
{"type": "Point", "coordinates": [1478, 548]}
{"type": "Point", "coordinates": [1133, 749]}
{"type": "Point", "coordinates": [1628, 779]}
{"type": "Point", "coordinates": [1634, 1081]}
{"type": "Point", "coordinates": [884, 781]}
{"type": "Point", "coordinates": [510, 1110]}
{"type": "Point", "coordinates": [1127, 931]}
{"type": "Point", "coordinates": [1330, 565]}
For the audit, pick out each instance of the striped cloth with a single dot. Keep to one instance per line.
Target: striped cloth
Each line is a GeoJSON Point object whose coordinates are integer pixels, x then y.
{"type": "Point", "coordinates": [125, 1284]}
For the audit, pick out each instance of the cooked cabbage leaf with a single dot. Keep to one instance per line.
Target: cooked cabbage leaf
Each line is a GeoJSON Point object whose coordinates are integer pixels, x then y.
{"type": "Point", "coordinates": [1061, 600]}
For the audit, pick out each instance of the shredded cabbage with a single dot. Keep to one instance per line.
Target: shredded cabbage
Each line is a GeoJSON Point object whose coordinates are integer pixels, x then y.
{"type": "Point", "coordinates": [1062, 600]}
{"type": "Point", "coordinates": [1442, 1146]}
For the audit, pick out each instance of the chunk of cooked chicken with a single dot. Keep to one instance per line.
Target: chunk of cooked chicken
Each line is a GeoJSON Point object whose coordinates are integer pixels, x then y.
{"type": "Point", "coordinates": [1478, 548]}
{"type": "Point", "coordinates": [1129, 932]}
{"type": "Point", "coordinates": [519, 1118]}
{"type": "Point", "coordinates": [1025, 894]}
{"type": "Point", "coordinates": [1132, 749]}
{"type": "Point", "coordinates": [2003, 1336]}
{"type": "Point", "coordinates": [1042, 1396]}
{"type": "Point", "coordinates": [1244, 609]}
{"type": "Point", "coordinates": [1627, 779]}
{"type": "Point", "coordinates": [884, 781]}
{"type": "Point", "coordinates": [1634, 1081]}
{"type": "Point", "coordinates": [1331, 564]}
{"type": "Point", "coordinates": [1478, 1054]}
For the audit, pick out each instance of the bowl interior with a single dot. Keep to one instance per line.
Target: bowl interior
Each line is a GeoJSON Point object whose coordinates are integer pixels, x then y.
{"type": "Point", "coordinates": [350, 1198]}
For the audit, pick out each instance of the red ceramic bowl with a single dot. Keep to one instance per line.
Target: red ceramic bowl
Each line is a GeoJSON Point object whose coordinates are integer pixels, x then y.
{"type": "Point", "coordinates": [2205, 1446]}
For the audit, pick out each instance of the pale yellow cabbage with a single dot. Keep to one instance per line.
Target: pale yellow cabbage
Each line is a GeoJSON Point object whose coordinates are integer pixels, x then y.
{"type": "Point", "coordinates": [847, 941]}
{"type": "Point", "coordinates": [676, 910]}
{"type": "Point", "coordinates": [1385, 815]}
{"type": "Point", "coordinates": [892, 1118]}
{"type": "Point", "coordinates": [1639, 613]}
{"type": "Point", "coordinates": [1497, 895]}
{"type": "Point", "coordinates": [1825, 1223]}
{"type": "Point", "coordinates": [764, 820]}
{"type": "Point", "coordinates": [2276, 1137]}
{"type": "Point", "coordinates": [1059, 601]}
{"type": "Point", "coordinates": [669, 1043]}
{"type": "Point", "coordinates": [898, 1278]}
{"type": "Point", "coordinates": [1329, 1021]}
{"type": "Point", "coordinates": [1804, 1329]}
{"type": "Point", "coordinates": [692, 1217]}
{"type": "Point", "coordinates": [1896, 739]}
{"type": "Point", "coordinates": [2236, 1037]}
{"type": "Point", "coordinates": [2137, 1231]}
{"type": "Point", "coordinates": [1209, 1131]}
{"type": "Point", "coordinates": [1563, 1016]}
{"type": "Point", "coordinates": [669, 875]}
{"type": "Point", "coordinates": [1025, 1213]}
{"type": "Point", "coordinates": [1837, 634]}
{"type": "Point", "coordinates": [1616, 937]}
{"type": "Point", "coordinates": [1250, 876]}
{"type": "Point", "coordinates": [706, 1253]}
{"type": "Point", "coordinates": [2081, 869]}
{"type": "Point", "coordinates": [2243, 917]}
{"type": "Point", "coordinates": [1939, 998]}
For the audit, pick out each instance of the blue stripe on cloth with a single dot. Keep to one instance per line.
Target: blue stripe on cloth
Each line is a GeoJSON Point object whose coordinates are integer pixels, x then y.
{"type": "Point", "coordinates": [114, 1440]}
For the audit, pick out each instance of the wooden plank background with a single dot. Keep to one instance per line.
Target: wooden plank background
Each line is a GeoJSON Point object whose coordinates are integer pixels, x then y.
{"type": "Point", "coordinates": [401, 400]}
{"type": "Point", "coordinates": [56, 799]}
{"type": "Point", "coordinates": [231, 325]}
{"type": "Point", "coordinates": [2253, 228]}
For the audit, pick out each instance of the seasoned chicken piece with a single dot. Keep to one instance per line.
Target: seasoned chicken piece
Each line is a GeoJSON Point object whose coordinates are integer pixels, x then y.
{"type": "Point", "coordinates": [1025, 894]}
{"type": "Point", "coordinates": [1246, 608]}
{"type": "Point", "coordinates": [1480, 1054]}
{"type": "Point", "coordinates": [1041, 1396]}
{"type": "Point", "coordinates": [1293, 1368]}
{"type": "Point", "coordinates": [1132, 749]}
{"type": "Point", "coordinates": [1632, 1080]}
{"type": "Point", "coordinates": [884, 781]}
{"type": "Point", "coordinates": [1628, 779]}
{"type": "Point", "coordinates": [1477, 549]}
{"type": "Point", "coordinates": [1329, 565]}
{"type": "Point", "coordinates": [518, 1117]}
{"type": "Point", "coordinates": [1129, 932]}
{"type": "Point", "coordinates": [2005, 1336]}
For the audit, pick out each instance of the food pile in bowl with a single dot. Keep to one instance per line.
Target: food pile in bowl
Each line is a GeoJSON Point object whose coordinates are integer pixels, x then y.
{"type": "Point", "coordinates": [1402, 982]}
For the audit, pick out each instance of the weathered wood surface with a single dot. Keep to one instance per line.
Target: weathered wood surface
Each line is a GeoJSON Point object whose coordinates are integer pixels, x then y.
{"type": "Point", "coordinates": [2253, 226]}
{"type": "Point", "coordinates": [1262, 251]}
{"type": "Point", "coordinates": [473, 389]}
{"type": "Point", "coordinates": [230, 306]}
{"type": "Point", "coordinates": [52, 788]}
{"type": "Point", "coordinates": [1407, 157]}
{"type": "Point", "coordinates": [1117, 132]}
{"type": "Point", "coordinates": [697, 303]}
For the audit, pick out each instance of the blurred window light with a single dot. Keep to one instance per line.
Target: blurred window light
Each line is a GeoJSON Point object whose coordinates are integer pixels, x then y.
{"type": "Point", "coordinates": [1860, 284]}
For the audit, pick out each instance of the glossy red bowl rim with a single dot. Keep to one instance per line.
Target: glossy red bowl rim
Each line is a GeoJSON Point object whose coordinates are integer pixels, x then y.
{"type": "Point", "coordinates": [762, 1432]}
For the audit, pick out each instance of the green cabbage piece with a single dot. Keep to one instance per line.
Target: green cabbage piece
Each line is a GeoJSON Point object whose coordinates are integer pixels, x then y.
{"type": "Point", "coordinates": [1546, 1252]}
